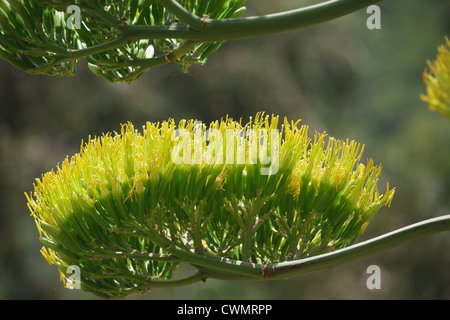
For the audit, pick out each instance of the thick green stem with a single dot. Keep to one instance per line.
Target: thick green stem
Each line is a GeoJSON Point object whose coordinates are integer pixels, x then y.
{"type": "Point", "coordinates": [233, 29]}
{"type": "Point", "coordinates": [358, 251]}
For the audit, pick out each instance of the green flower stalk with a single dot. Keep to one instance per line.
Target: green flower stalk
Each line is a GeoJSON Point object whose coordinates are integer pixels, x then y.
{"type": "Point", "coordinates": [232, 200]}
{"type": "Point", "coordinates": [437, 81]}
{"type": "Point", "coordinates": [122, 39]}
{"type": "Point", "coordinates": [46, 36]}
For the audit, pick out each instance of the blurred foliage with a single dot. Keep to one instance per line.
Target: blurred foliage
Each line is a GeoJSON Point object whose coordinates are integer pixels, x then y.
{"type": "Point", "coordinates": [338, 76]}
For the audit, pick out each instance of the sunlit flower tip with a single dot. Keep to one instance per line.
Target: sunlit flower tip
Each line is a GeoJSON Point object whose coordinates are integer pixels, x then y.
{"type": "Point", "coordinates": [437, 80]}
{"type": "Point", "coordinates": [48, 254]}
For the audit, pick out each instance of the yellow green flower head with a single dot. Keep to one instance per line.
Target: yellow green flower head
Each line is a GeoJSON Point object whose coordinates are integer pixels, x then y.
{"type": "Point", "coordinates": [437, 81]}
{"type": "Point", "coordinates": [131, 205]}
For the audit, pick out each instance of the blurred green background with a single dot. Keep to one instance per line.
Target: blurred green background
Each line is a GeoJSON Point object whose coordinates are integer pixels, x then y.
{"type": "Point", "coordinates": [338, 77]}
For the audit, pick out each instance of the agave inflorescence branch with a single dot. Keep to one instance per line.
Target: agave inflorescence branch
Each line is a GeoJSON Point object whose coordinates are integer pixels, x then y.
{"type": "Point", "coordinates": [361, 250]}
{"type": "Point", "coordinates": [437, 81]}
{"type": "Point", "coordinates": [119, 38]}
{"type": "Point", "coordinates": [230, 199]}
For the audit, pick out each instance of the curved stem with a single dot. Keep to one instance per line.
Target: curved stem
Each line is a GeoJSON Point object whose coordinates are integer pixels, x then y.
{"type": "Point", "coordinates": [358, 251]}
{"type": "Point", "coordinates": [233, 29]}
{"type": "Point", "coordinates": [284, 21]}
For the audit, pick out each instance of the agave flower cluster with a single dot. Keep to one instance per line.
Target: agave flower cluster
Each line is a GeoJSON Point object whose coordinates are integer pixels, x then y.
{"type": "Point", "coordinates": [38, 36]}
{"type": "Point", "coordinates": [120, 207]}
{"type": "Point", "coordinates": [437, 81]}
